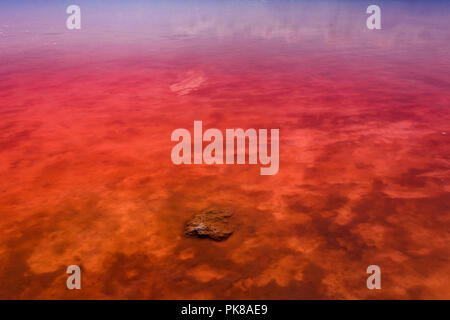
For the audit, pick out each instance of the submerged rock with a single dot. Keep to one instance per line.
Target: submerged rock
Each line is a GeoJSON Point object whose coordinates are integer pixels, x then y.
{"type": "Point", "coordinates": [210, 223]}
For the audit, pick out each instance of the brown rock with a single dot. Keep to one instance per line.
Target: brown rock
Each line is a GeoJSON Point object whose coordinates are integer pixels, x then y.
{"type": "Point", "coordinates": [210, 223]}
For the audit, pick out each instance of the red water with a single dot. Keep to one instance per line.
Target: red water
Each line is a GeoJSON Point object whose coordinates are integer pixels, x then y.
{"type": "Point", "coordinates": [87, 179]}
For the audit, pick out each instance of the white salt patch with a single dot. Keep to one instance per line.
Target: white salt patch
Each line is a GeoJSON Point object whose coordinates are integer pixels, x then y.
{"type": "Point", "coordinates": [190, 83]}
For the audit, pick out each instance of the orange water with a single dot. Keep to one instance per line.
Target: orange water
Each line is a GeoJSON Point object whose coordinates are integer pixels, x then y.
{"type": "Point", "coordinates": [85, 124]}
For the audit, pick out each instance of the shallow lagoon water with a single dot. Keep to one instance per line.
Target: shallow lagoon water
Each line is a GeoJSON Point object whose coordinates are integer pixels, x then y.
{"type": "Point", "coordinates": [86, 119]}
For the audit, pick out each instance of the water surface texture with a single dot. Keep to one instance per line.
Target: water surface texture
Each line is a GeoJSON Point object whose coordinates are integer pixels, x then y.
{"type": "Point", "coordinates": [86, 118]}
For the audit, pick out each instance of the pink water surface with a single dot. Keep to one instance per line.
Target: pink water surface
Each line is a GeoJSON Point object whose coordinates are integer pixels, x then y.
{"type": "Point", "coordinates": [85, 123]}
